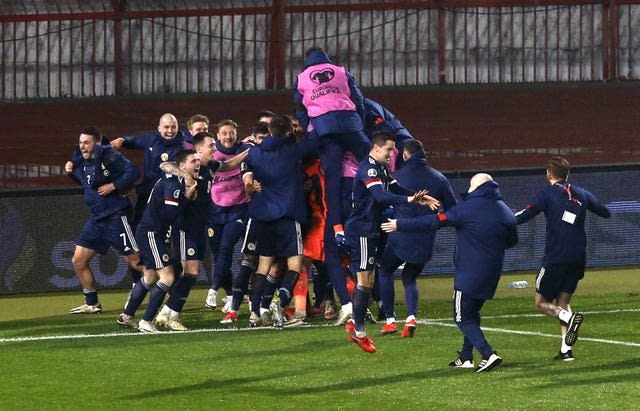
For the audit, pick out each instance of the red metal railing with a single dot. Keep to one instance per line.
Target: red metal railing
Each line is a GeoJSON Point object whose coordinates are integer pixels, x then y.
{"type": "Point", "coordinates": [59, 48]}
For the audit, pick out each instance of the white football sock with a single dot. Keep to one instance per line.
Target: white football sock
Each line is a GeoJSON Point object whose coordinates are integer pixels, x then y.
{"type": "Point", "coordinates": [564, 315]}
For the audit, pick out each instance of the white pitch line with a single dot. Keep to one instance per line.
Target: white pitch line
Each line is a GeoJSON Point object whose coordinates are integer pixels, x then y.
{"type": "Point", "coordinates": [437, 321]}
{"type": "Point", "coordinates": [537, 334]}
{"type": "Point", "coordinates": [138, 334]}
{"type": "Point", "coordinates": [624, 310]}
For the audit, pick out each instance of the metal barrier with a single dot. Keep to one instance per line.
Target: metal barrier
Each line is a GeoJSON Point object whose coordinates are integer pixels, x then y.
{"type": "Point", "coordinates": [66, 48]}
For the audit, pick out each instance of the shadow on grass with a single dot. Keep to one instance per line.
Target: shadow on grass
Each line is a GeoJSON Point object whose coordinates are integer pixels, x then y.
{"type": "Point", "coordinates": [622, 371]}
{"type": "Point", "coordinates": [222, 386]}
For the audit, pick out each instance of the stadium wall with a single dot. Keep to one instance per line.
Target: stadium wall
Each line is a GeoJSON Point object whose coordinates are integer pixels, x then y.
{"type": "Point", "coordinates": [462, 127]}
{"type": "Point", "coordinates": [39, 229]}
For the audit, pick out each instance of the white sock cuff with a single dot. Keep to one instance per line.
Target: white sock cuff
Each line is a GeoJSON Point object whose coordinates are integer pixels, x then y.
{"type": "Point", "coordinates": [564, 315]}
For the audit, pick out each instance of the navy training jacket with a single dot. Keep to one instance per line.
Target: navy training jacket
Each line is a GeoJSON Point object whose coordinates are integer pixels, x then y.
{"type": "Point", "coordinates": [415, 174]}
{"type": "Point", "coordinates": [276, 165]}
{"type": "Point", "coordinates": [378, 118]}
{"type": "Point", "coordinates": [565, 208]}
{"type": "Point", "coordinates": [106, 166]}
{"type": "Point", "coordinates": [156, 150]}
{"type": "Point", "coordinates": [485, 228]}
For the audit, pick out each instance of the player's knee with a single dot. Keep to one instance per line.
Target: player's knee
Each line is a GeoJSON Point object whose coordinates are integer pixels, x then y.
{"type": "Point", "coordinates": [80, 262]}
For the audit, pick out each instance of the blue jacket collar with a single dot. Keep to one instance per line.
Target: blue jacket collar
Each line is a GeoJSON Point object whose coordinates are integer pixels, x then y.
{"type": "Point", "coordinates": [489, 190]}
{"type": "Point", "coordinates": [416, 159]}
{"type": "Point", "coordinates": [317, 57]}
{"type": "Point", "coordinates": [273, 143]}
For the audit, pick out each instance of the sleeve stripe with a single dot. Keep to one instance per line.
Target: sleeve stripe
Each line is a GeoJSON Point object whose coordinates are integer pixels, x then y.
{"type": "Point", "coordinates": [171, 201]}
{"type": "Point", "coordinates": [372, 182]}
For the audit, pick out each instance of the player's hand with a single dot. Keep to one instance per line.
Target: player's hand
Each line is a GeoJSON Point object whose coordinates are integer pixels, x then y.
{"type": "Point", "coordinates": [68, 167]}
{"type": "Point", "coordinates": [390, 226]}
{"type": "Point", "coordinates": [417, 196]}
{"type": "Point", "coordinates": [116, 143]}
{"type": "Point", "coordinates": [106, 189]}
{"type": "Point", "coordinates": [429, 201]}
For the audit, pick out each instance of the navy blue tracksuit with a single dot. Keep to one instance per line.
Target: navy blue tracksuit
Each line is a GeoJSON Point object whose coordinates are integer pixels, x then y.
{"type": "Point", "coordinates": [485, 228]}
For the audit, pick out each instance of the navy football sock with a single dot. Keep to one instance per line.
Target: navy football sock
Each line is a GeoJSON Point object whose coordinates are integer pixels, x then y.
{"type": "Point", "coordinates": [90, 296]}
{"type": "Point", "coordinates": [180, 291]}
{"type": "Point", "coordinates": [387, 293]}
{"type": "Point", "coordinates": [158, 292]}
{"type": "Point", "coordinates": [269, 288]}
{"type": "Point", "coordinates": [256, 297]}
{"type": "Point", "coordinates": [138, 293]}
{"type": "Point", "coordinates": [285, 292]}
{"type": "Point", "coordinates": [360, 303]}
{"type": "Point", "coordinates": [241, 283]}
{"type": "Point", "coordinates": [411, 292]}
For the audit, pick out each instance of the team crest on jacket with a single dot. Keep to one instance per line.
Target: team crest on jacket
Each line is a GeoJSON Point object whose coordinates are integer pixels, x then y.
{"type": "Point", "coordinates": [210, 232]}
{"type": "Point", "coordinates": [372, 172]}
{"type": "Point", "coordinates": [372, 260]}
{"type": "Point", "coordinates": [251, 246]}
{"type": "Point", "coordinates": [106, 173]}
{"type": "Point", "coordinates": [191, 251]}
{"type": "Point", "coordinates": [165, 257]}
{"type": "Point", "coordinates": [322, 76]}
{"type": "Point", "coordinates": [176, 194]}
{"type": "Point", "coordinates": [164, 156]}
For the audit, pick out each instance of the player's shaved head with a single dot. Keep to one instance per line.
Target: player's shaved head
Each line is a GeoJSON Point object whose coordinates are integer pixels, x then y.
{"type": "Point", "coordinates": [478, 180]}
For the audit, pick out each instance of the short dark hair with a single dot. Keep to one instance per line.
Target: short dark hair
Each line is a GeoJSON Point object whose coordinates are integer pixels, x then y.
{"type": "Point", "coordinates": [379, 138]}
{"type": "Point", "coordinates": [558, 167]}
{"type": "Point", "coordinates": [413, 146]}
{"type": "Point", "coordinates": [198, 139]}
{"type": "Point", "coordinates": [182, 155]}
{"type": "Point", "coordinates": [261, 127]}
{"type": "Point", "coordinates": [280, 126]}
{"type": "Point", "coordinates": [313, 49]}
{"type": "Point", "coordinates": [266, 113]}
{"type": "Point", "coordinates": [92, 131]}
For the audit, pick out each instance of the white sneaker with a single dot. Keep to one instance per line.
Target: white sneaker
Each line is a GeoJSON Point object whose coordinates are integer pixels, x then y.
{"type": "Point", "coordinates": [211, 301]}
{"type": "Point", "coordinates": [458, 363]}
{"type": "Point", "coordinates": [162, 318]}
{"type": "Point", "coordinates": [147, 327]}
{"type": "Point", "coordinates": [489, 363]}
{"type": "Point", "coordinates": [86, 309]}
{"type": "Point", "coordinates": [228, 302]}
{"type": "Point", "coordinates": [175, 324]}
{"type": "Point", "coordinates": [345, 313]}
{"type": "Point", "coordinates": [127, 321]}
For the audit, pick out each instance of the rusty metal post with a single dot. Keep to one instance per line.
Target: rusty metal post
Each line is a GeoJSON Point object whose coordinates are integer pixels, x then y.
{"type": "Point", "coordinates": [442, 45]}
{"type": "Point", "coordinates": [276, 72]}
{"type": "Point", "coordinates": [119, 6]}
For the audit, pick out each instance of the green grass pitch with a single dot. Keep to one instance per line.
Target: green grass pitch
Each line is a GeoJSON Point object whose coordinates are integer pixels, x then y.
{"type": "Point", "coordinates": [52, 360]}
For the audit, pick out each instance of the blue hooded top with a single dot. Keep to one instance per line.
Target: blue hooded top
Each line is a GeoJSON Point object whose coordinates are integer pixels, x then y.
{"type": "Point", "coordinates": [416, 175]}
{"type": "Point", "coordinates": [485, 228]}
{"type": "Point", "coordinates": [276, 165]}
